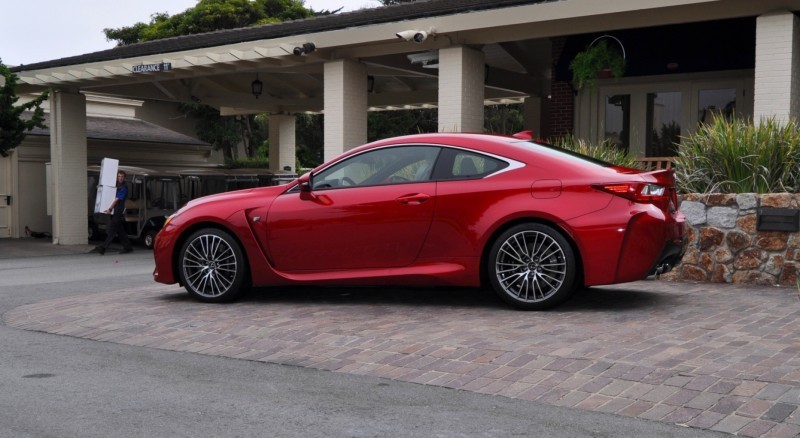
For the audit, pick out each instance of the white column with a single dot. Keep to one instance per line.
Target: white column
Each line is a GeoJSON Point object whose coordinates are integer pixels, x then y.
{"type": "Point", "coordinates": [68, 166]}
{"type": "Point", "coordinates": [345, 106]}
{"type": "Point", "coordinates": [777, 84]}
{"type": "Point", "coordinates": [282, 142]}
{"type": "Point", "coordinates": [461, 89]}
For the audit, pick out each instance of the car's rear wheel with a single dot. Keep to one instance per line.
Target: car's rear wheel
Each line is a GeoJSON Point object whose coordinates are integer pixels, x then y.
{"type": "Point", "coordinates": [211, 266]}
{"type": "Point", "coordinates": [532, 267]}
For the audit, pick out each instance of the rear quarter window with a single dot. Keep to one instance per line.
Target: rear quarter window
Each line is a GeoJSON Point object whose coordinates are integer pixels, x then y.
{"type": "Point", "coordinates": [565, 154]}
{"type": "Point", "coordinates": [461, 164]}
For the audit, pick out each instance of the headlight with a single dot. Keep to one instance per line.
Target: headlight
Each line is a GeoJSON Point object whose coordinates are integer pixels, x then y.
{"type": "Point", "coordinates": [170, 217]}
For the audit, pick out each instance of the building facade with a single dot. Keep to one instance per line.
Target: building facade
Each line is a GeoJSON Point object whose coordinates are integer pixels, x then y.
{"type": "Point", "coordinates": [685, 60]}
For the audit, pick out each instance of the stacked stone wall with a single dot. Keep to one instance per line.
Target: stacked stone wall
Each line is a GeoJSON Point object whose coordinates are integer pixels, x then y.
{"type": "Point", "coordinates": [725, 247]}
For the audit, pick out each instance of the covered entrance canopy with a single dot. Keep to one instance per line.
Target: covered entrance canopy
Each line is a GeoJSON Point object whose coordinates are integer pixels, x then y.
{"type": "Point", "coordinates": [346, 64]}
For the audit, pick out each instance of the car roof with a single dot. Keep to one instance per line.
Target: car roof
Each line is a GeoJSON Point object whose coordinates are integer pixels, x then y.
{"type": "Point", "coordinates": [450, 138]}
{"type": "Point", "coordinates": [480, 142]}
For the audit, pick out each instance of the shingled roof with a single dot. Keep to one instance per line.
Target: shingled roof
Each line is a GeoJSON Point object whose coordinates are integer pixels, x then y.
{"type": "Point", "coordinates": [133, 130]}
{"type": "Point", "coordinates": [387, 14]}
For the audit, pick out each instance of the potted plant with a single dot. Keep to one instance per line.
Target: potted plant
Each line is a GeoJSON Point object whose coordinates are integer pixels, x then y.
{"type": "Point", "coordinates": [598, 60]}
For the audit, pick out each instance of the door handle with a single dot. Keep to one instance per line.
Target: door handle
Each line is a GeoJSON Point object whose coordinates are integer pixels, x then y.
{"type": "Point", "coordinates": [415, 199]}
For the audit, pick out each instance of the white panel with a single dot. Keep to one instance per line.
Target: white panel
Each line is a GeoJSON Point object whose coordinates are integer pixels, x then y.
{"type": "Point", "coordinates": [105, 196]}
{"type": "Point", "coordinates": [108, 172]}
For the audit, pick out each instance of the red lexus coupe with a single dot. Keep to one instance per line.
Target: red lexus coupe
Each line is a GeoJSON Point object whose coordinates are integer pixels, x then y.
{"type": "Point", "coordinates": [529, 220]}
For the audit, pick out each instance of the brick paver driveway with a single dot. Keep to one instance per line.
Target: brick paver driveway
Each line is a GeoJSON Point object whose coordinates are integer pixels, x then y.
{"type": "Point", "coordinates": [717, 357]}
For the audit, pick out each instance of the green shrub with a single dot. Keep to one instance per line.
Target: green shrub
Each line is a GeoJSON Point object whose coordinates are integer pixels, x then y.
{"type": "Point", "coordinates": [239, 163]}
{"type": "Point", "coordinates": [605, 150]}
{"type": "Point", "coordinates": [738, 156]}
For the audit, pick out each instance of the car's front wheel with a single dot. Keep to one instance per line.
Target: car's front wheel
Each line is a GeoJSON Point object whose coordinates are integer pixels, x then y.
{"type": "Point", "coordinates": [149, 238]}
{"type": "Point", "coordinates": [532, 267]}
{"type": "Point", "coordinates": [211, 266]}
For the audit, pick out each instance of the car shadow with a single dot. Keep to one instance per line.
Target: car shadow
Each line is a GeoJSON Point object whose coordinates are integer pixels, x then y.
{"type": "Point", "coordinates": [594, 299]}
{"type": "Point", "coordinates": [396, 296]}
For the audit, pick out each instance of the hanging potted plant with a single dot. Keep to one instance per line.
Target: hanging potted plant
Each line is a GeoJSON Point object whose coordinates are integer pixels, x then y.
{"type": "Point", "coordinates": [599, 60]}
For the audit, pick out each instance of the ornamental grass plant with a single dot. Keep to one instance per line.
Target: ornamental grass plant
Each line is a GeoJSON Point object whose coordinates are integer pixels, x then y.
{"type": "Point", "coordinates": [738, 156]}
{"type": "Point", "coordinates": [605, 150]}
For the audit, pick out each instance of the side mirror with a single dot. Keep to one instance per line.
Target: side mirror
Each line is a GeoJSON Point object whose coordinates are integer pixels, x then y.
{"type": "Point", "coordinates": [305, 183]}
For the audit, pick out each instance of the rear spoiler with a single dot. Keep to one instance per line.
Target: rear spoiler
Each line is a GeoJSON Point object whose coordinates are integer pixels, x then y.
{"type": "Point", "coordinates": [664, 177]}
{"type": "Point", "coordinates": [524, 135]}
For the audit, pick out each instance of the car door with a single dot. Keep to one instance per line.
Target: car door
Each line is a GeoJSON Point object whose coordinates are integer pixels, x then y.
{"type": "Point", "coordinates": [372, 210]}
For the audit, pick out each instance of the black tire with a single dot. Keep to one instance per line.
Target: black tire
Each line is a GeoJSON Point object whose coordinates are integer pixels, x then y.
{"type": "Point", "coordinates": [212, 267]}
{"type": "Point", "coordinates": [149, 238]}
{"type": "Point", "coordinates": [532, 267]}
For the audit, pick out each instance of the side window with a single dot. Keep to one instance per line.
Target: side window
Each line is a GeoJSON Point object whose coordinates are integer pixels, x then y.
{"type": "Point", "coordinates": [389, 165]}
{"type": "Point", "coordinates": [459, 164]}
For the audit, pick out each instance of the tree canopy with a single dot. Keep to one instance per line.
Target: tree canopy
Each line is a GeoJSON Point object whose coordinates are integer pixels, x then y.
{"type": "Point", "coordinates": [212, 15]}
{"type": "Point", "coordinates": [12, 126]}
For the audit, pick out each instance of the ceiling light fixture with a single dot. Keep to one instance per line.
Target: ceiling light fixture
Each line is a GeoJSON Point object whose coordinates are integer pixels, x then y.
{"type": "Point", "coordinates": [256, 87]}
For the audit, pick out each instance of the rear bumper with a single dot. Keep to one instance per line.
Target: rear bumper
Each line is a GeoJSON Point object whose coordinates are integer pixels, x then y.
{"type": "Point", "coordinates": [630, 243]}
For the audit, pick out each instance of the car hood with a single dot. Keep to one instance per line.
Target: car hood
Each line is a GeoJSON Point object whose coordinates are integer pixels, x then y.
{"type": "Point", "coordinates": [260, 193]}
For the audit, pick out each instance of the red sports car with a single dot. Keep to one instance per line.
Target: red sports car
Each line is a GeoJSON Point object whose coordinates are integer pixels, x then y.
{"type": "Point", "coordinates": [532, 221]}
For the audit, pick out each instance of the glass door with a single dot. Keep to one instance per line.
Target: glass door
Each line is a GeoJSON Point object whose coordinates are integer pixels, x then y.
{"type": "Point", "coordinates": [618, 121]}
{"type": "Point", "coordinates": [663, 129]}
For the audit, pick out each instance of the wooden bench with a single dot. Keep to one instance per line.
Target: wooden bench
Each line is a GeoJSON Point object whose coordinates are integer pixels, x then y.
{"type": "Point", "coordinates": [655, 163]}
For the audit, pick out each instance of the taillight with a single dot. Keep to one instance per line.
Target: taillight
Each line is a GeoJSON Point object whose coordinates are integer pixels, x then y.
{"type": "Point", "coordinates": [635, 191]}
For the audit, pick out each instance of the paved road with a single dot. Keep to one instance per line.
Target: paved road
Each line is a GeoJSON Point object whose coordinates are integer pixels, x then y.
{"type": "Point", "coordinates": [65, 386]}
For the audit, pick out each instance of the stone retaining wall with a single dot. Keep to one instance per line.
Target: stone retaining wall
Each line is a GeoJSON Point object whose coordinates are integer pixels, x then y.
{"type": "Point", "coordinates": [724, 246]}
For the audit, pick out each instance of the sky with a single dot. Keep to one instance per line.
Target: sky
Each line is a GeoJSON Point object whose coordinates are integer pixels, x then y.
{"type": "Point", "coordinates": [44, 30]}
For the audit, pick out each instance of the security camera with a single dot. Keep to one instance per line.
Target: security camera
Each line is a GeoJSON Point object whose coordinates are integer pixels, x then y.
{"type": "Point", "coordinates": [416, 36]}
{"type": "Point", "coordinates": [305, 48]}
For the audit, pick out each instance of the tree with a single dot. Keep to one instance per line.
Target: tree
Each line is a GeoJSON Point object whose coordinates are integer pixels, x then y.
{"type": "Point", "coordinates": [503, 119]}
{"type": "Point", "coordinates": [310, 138]}
{"type": "Point", "coordinates": [12, 126]}
{"type": "Point", "coordinates": [209, 16]}
{"type": "Point", "coordinates": [220, 132]}
{"type": "Point", "coordinates": [384, 124]}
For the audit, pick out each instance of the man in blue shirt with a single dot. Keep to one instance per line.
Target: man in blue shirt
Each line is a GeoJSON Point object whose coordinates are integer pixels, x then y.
{"type": "Point", "coordinates": [116, 226]}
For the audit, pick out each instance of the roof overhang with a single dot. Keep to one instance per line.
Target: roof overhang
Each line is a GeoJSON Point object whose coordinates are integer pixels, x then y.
{"type": "Point", "coordinates": [514, 36]}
